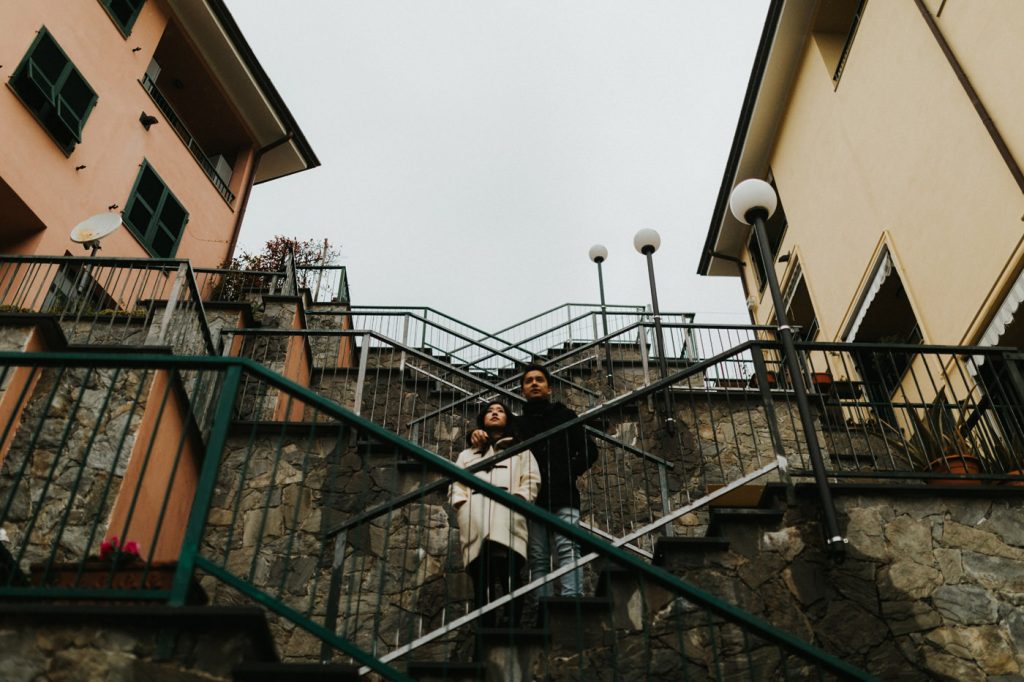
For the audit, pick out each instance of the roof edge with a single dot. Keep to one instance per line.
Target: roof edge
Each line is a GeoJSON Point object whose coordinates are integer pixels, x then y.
{"type": "Point", "coordinates": [764, 50]}
{"type": "Point", "coordinates": [233, 32]}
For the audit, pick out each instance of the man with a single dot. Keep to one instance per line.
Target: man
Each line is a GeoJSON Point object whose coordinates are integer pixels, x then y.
{"type": "Point", "coordinates": [562, 459]}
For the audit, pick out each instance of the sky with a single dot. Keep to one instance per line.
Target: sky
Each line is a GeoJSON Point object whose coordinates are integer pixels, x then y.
{"type": "Point", "coordinates": [474, 150]}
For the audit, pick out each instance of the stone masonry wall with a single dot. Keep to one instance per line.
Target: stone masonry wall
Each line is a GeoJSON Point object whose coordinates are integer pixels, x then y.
{"type": "Point", "coordinates": [931, 588]}
{"type": "Point", "coordinates": [63, 470]}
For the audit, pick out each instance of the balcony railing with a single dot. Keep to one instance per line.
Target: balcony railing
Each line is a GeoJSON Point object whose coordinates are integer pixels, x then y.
{"type": "Point", "coordinates": [110, 301]}
{"type": "Point", "coordinates": [186, 137]}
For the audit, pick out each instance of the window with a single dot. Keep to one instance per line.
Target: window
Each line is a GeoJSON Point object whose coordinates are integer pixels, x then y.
{"type": "Point", "coordinates": [154, 214]}
{"type": "Point", "coordinates": [799, 308]}
{"type": "Point", "coordinates": [775, 228]}
{"type": "Point", "coordinates": [835, 27]}
{"type": "Point", "coordinates": [124, 13]}
{"type": "Point", "coordinates": [54, 91]}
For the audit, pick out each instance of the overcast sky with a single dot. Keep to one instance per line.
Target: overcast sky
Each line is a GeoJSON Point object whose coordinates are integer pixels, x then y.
{"type": "Point", "coordinates": [474, 150]}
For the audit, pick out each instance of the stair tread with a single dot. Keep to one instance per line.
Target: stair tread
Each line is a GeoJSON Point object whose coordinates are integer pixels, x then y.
{"type": "Point", "coordinates": [266, 672]}
{"type": "Point", "coordinates": [451, 666]}
{"type": "Point", "coordinates": [720, 516]}
{"type": "Point", "coordinates": [665, 546]}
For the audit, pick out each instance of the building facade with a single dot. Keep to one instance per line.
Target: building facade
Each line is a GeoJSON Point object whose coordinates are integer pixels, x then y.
{"type": "Point", "coordinates": [890, 131]}
{"type": "Point", "coordinates": [155, 109]}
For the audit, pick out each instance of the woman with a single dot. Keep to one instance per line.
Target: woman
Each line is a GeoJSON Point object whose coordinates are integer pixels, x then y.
{"type": "Point", "coordinates": [494, 539]}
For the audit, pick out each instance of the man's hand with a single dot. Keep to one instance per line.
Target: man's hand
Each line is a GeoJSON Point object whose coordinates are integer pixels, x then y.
{"type": "Point", "coordinates": [478, 438]}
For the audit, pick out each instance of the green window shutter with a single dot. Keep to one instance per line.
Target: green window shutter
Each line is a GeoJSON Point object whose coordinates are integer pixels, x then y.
{"type": "Point", "coordinates": [154, 214]}
{"type": "Point", "coordinates": [123, 13]}
{"type": "Point", "coordinates": [54, 91]}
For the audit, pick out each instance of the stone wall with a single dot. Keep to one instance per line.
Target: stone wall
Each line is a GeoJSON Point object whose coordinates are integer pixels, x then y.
{"type": "Point", "coordinates": [99, 649]}
{"type": "Point", "coordinates": [931, 587]}
{"type": "Point", "coordinates": [63, 470]}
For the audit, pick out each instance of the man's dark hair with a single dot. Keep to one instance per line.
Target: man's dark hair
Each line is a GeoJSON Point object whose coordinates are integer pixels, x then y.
{"type": "Point", "coordinates": [534, 367]}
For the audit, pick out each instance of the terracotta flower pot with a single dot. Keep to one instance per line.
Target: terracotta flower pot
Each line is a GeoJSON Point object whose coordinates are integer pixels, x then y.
{"type": "Point", "coordinates": [821, 379]}
{"type": "Point", "coordinates": [1017, 483]}
{"type": "Point", "coordinates": [954, 464]}
{"type": "Point", "coordinates": [98, 574]}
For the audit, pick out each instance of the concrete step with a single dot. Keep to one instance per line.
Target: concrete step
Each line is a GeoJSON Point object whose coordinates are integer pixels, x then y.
{"type": "Point", "coordinates": [681, 553]}
{"type": "Point", "coordinates": [297, 672]}
{"type": "Point", "coordinates": [453, 671]}
{"type": "Point", "coordinates": [576, 623]}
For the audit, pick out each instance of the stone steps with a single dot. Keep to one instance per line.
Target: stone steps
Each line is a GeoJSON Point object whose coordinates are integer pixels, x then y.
{"type": "Point", "coordinates": [299, 672]}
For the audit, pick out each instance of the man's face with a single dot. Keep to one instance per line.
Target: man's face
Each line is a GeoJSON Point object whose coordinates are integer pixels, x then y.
{"type": "Point", "coordinates": [536, 386]}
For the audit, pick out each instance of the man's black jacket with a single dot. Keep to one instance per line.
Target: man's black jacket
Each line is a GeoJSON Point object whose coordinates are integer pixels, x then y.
{"type": "Point", "coordinates": [562, 458]}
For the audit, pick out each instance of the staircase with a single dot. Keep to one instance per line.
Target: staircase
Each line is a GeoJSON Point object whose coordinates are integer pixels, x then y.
{"type": "Point", "coordinates": [317, 491]}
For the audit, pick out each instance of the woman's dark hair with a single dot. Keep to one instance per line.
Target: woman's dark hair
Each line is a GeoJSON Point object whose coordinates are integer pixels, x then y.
{"type": "Point", "coordinates": [509, 417]}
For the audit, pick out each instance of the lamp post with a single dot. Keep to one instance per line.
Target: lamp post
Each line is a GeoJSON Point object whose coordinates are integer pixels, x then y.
{"type": "Point", "coordinates": [647, 241]}
{"type": "Point", "coordinates": [599, 254]}
{"type": "Point", "coordinates": [752, 202]}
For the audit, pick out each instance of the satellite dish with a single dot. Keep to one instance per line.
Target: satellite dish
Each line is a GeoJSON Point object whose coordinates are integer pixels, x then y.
{"type": "Point", "coordinates": [90, 231]}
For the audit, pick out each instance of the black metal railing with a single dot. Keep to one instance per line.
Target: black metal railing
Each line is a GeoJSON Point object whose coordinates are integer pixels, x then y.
{"type": "Point", "coordinates": [187, 138]}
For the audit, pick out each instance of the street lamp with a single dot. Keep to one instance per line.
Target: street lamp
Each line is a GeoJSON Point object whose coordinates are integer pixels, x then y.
{"type": "Point", "coordinates": [752, 202]}
{"type": "Point", "coordinates": [647, 241]}
{"type": "Point", "coordinates": [599, 254]}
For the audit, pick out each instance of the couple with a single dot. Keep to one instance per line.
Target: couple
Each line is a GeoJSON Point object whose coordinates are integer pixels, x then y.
{"type": "Point", "coordinates": [494, 539]}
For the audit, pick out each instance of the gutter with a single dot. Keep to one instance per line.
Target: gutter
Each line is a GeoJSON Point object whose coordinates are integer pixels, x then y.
{"type": "Point", "coordinates": [764, 49]}
{"type": "Point", "coordinates": [248, 190]}
{"type": "Point", "coordinates": [291, 126]}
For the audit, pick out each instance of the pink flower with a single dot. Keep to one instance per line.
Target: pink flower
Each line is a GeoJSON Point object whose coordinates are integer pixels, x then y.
{"type": "Point", "coordinates": [108, 547]}
{"type": "Point", "coordinates": [131, 547]}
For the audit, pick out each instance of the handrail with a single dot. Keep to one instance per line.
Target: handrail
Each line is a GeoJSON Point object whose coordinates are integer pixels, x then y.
{"type": "Point", "coordinates": [597, 433]}
{"type": "Point", "coordinates": [580, 420]}
{"type": "Point", "coordinates": [452, 472]}
{"type": "Point", "coordinates": [597, 342]}
{"type": "Point", "coordinates": [257, 331]}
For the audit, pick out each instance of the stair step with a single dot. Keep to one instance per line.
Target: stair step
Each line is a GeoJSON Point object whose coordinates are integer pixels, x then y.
{"type": "Point", "coordinates": [446, 670]}
{"type": "Point", "coordinates": [577, 622]}
{"type": "Point", "coordinates": [681, 553]}
{"type": "Point", "coordinates": [300, 672]}
{"type": "Point", "coordinates": [721, 517]}
{"type": "Point", "coordinates": [516, 636]}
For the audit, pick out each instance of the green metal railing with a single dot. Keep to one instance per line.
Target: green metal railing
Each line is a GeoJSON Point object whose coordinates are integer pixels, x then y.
{"type": "Point", "coordinates": [87, 439]}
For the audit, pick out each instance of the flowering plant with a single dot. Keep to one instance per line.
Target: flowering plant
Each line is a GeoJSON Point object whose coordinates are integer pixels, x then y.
{"type": "Point", "coordinates": [114, 550]}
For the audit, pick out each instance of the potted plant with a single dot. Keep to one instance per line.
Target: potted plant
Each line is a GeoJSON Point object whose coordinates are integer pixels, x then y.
{"type": "Point", "coordinates": [119, 567]}
{"type": "Point", "coordinates": [938, 444]}
{"type": "Point", "coordinates": [998, 458]}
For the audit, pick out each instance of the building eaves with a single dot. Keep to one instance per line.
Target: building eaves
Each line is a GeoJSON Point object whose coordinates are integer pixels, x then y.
{"type": "Point", "coordinates": [235, 64]}
{"type": "Point", "coordinates": [782, 40]}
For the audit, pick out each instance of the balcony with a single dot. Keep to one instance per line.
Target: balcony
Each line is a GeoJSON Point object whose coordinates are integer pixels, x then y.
{"type": "Point", "coordinates": [190, 141]}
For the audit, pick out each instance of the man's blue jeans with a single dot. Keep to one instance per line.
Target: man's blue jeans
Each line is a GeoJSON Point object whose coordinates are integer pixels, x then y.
{"type": "Point", "coordinates": [566, 552]}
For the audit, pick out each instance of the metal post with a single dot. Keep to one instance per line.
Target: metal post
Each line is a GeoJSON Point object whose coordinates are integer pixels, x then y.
{"type": "Point", "coordinates": [172, 302]}
{"type": "Point", "coordinates": [205, 486]}
{"type": "Point", "coordinates": [835, 542]}
{"type": "Point", "coordinates": [659, 339]}
{"type": "Point", "coordinates": [604, 321]}
{"type": "Point", "coordinates": [364, 356]}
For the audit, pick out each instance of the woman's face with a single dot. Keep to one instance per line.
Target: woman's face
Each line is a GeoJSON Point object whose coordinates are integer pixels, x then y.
{"type": "Point", "coordinates": [495, 417]}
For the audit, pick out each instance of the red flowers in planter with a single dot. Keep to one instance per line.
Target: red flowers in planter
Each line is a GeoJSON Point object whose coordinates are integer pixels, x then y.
{"type": "Point", "coordinates": [112, 550]}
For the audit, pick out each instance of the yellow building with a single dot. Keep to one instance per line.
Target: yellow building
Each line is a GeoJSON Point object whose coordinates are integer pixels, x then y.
{"type": "Point", "coordinates": [891, 133]}
{"type": "Point", "coordinates": [155, 109]}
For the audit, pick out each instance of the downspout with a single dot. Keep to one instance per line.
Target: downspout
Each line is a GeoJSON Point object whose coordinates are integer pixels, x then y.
{"type": "Point", "coordinates": [986, 120]}
{"type": "Point", "coordinates": [248, 189]}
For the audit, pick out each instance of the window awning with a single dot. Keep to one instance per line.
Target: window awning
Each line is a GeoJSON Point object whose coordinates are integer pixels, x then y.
{"type": "Point", "coordinates": [882, 270]}
{"type": "Point", "coordinates": [1003, 317]}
